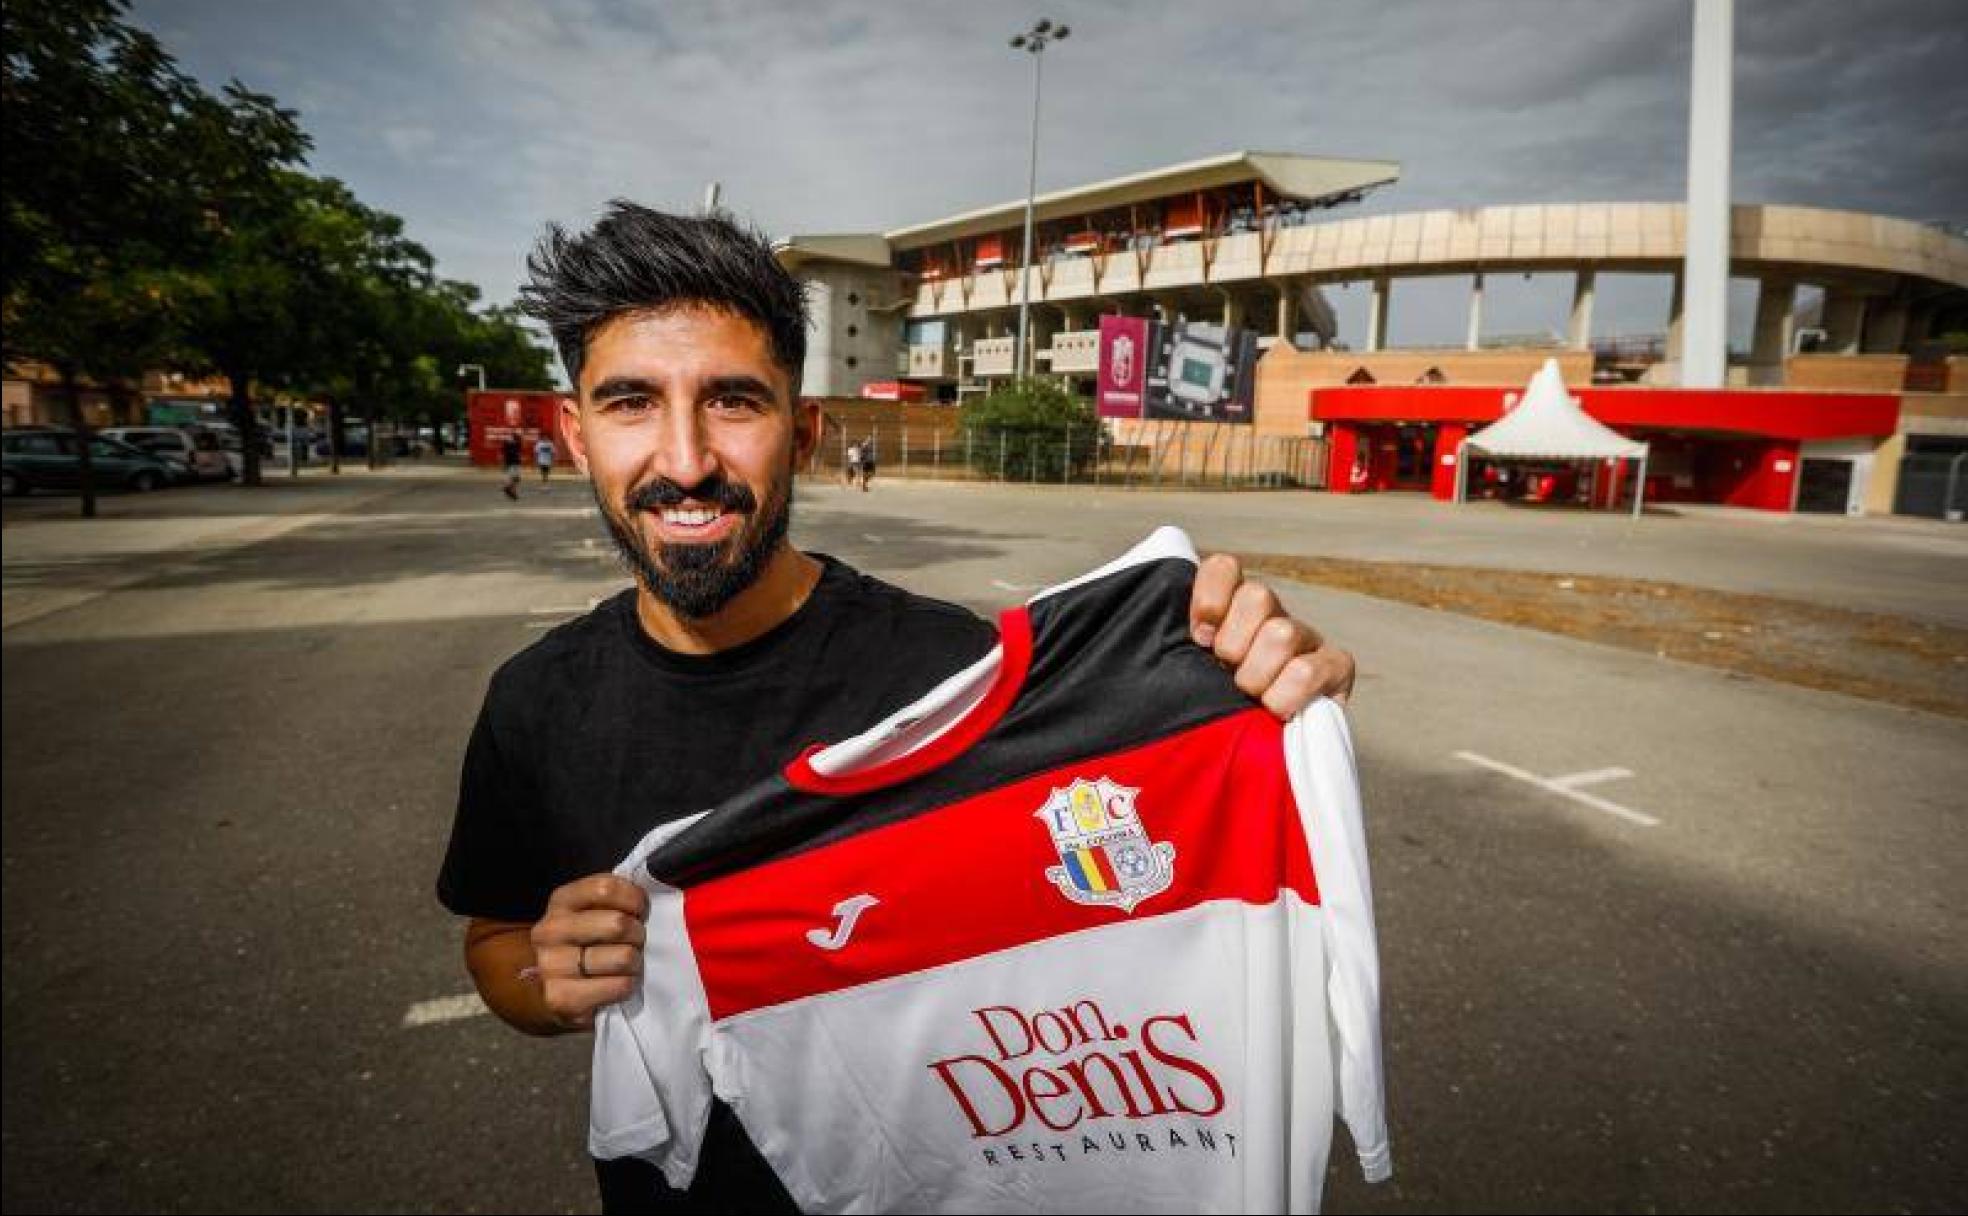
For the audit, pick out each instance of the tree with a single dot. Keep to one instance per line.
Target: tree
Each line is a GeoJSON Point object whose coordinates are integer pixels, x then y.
{"type": "Point", "coordinates": [89, 113]}
{"type": "Point", "coordinates": [1031, 430]}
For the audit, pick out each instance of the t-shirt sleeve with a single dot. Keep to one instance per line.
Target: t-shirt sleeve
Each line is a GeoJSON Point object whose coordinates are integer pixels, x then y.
{"type": "Point", "coordinates": [1319, 757]}
{"type": "Point", "coordinates": [650, 1094]}
{"type": "Point", "coordinates": [496, 864]}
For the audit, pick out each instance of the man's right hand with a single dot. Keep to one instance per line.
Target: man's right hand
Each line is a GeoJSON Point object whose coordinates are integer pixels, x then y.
{"type": "Point", "coordinates": [530, 974]}
{"type": "Point", "coordinates": [588, 947]}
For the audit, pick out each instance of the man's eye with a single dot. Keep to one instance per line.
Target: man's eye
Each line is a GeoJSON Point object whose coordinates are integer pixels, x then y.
{"type": "Point", "coordinates": [627, 405]}
{"type": "Point", "coordinates": [737, 405]}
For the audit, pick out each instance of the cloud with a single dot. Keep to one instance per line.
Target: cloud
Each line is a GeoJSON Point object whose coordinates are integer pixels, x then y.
{"type": "Point", "coordinates": [481, 120]}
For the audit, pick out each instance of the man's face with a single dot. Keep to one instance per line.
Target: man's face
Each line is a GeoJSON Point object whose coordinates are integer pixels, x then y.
{"type": "Point", "coordinates": [688, 431]}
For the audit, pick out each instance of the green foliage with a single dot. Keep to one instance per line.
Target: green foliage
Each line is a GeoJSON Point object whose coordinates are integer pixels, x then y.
{"type": "Point", "coordinates": [149, 222]}
{"type": "Point", "coordinates": [1031, 430]}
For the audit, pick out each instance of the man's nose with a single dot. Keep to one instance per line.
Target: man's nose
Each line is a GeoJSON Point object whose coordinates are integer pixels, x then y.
{"type": "Point", "coordinates": [685, 455]}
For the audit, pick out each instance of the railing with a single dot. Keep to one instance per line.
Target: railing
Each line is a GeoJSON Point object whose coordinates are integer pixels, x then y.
{"type": "Point", "coordinates": [1174, 455]}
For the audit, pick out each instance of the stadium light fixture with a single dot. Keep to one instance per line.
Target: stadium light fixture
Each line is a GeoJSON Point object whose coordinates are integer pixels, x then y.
{"type": "Point", "coordinates": [1033, 42]}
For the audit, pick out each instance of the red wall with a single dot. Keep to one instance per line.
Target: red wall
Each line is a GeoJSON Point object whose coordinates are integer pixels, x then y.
{"type": "Point", "coordinates": [496, 413]}
{"type": "Point", "coordinates": [1448, 437]}
{"type": "Point", "coordinates": [1768, 413]}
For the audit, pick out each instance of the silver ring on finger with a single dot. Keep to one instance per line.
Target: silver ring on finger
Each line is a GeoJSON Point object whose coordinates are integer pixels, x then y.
{"type": "Point", "coordinates": [581, 964]}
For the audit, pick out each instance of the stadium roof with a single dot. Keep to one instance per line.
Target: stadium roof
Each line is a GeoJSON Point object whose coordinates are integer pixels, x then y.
{"type": "Point", "coordinates": [1285, 176]}
{"type": "Point", "coordinates": [860, 248]}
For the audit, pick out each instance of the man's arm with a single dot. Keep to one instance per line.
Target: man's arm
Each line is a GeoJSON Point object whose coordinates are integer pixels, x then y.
{"type": "Point", "coordinates": [550, 976]}
{"type": "Point", "coordinates": [1278, 660]}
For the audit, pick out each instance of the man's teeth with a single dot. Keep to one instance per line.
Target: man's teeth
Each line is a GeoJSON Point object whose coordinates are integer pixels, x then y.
{"type": "Point", "coordinates": [689, 517]}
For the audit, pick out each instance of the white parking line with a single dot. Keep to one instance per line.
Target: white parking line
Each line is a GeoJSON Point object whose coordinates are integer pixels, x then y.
{"type": "Point", "coordinates": [1559, 786]}
{"type": "Point", "coordinates": [1597, 775]}
{"type": "Point", "coordinates": [444, 1009]}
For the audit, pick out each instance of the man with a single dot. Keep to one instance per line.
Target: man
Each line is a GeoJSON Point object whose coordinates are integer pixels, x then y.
{"type": "Point", "coordinates": [684, 340]}
{"type": "Point", "coordinates": [509, 456]}
{"type": "Point", "coordinates": [868, 458]}
{"type": "Point", "coordinates": [543, 456]}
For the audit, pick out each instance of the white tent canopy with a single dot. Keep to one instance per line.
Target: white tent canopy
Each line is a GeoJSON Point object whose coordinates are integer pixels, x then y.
{"type": "Point", "coordinates": [1548, 423]}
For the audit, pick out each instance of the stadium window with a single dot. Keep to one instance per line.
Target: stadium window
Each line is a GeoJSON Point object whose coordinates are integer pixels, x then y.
{"type": "Point", "coordinates": [852, 361]}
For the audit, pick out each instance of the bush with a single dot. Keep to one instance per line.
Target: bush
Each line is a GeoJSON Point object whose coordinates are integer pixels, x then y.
{"type": "Point", "coordinates": [1033, 430]}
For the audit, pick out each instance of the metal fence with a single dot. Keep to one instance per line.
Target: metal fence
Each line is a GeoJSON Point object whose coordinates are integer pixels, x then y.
{"type": "Point", "coordinates": [1174, 455]}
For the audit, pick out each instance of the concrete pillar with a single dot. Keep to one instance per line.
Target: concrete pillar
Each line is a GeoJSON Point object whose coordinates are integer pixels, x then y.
{"type": "Point", "coordinates": [1377, 313]}
{"type": "Point", "coordinates": [1578, 334]}
{"type": "Point", "coordinates": [1287, 312]}
{"type": "Point", "coordinates": [1475, 341]}
{"type": "Point", "coordinates": [1675, 307]}
{"type": "Point", "coordinates": [1886, 327]}
{"type": "Point", "coordinates": [1233, 311]}
{"type": "Point", "coordinates": [1776, 302]}
{"type": "Point", "coordinates": [1844, 321]}
{"type": "Point", "coordinates": [1705, 266]}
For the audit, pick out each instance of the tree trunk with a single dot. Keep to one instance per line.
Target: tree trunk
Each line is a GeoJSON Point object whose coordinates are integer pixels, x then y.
{"type": "Point", "coordinates": [337, 428]}
{"type": "Point", "coordinates": [247, 422]}
{"type": "Point", "coordinates": [369, 425]}
{"type": "Point", "coordinates": [85, 468]}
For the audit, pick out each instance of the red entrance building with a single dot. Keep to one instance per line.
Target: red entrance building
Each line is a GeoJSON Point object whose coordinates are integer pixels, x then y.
{"type": "Point", "coordinates": [1738, 447]}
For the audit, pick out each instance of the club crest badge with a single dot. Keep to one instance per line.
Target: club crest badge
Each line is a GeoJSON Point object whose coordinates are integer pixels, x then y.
{"type": "Point", "coordinates": [1105, 854]}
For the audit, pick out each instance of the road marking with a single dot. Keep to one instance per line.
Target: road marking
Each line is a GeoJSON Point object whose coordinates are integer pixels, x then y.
{"type": "Point", "coordinates": [444, 1009]}
{"type": "Point", "coordinates": [1555, 786]}
{"type": "Point", "coordinates": [871, 537]}
{"type": "Point", "coordinates": [1575, 780]}
{"type": "Point", "coordinates": [1001, 585]}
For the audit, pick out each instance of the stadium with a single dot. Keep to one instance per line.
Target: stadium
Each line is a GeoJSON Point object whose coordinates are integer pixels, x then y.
{"type": "Point", "coordinates": [1845, 399]}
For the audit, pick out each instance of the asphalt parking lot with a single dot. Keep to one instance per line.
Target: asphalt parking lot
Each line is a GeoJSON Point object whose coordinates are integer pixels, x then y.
{"type": "Point", "coordinates": [1655, 937]}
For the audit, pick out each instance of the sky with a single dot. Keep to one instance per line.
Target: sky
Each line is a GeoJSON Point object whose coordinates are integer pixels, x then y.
{"type": "Point", "coordinates": [479, 121]}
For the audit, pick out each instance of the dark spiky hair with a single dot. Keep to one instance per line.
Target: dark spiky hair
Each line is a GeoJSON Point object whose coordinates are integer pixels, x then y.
{"type": "Point", "coordinates": [639, 260]}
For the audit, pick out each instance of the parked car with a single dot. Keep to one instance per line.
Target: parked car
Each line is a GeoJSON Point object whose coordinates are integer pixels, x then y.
{"type": "Point", "coordinates": [51, 460]}
{"type": "Point", "coordinates": [193, 449]}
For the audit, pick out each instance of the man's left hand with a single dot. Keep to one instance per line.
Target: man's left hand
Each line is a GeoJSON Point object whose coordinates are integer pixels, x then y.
{"type": "Point", "coordinates": [1282, 662]}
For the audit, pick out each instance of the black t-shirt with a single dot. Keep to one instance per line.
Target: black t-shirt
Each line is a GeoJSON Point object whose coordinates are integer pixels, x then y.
{"type": "Point", "coordinates": [596, 734]}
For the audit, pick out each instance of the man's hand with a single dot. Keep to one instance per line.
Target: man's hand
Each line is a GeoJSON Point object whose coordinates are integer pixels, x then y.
{"type": "Point", "coordinates": [587, 949]}
{"type": "Point", "coordinates": [1278, 660]}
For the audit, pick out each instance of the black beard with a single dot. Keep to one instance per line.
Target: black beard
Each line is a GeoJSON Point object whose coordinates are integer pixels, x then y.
{"type": "Point", "coordinates": [696, 581]}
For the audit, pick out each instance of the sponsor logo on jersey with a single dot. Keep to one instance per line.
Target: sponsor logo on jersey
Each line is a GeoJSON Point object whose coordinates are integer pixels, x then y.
{"type": "Point", "coordinates": [1105, 855]}
{"type": "Point", "coordinates": [1077, 1067]}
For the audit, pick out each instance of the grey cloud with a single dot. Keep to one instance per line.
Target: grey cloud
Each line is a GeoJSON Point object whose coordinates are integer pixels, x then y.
{"type": "Point", "coordinates": [863, 116]}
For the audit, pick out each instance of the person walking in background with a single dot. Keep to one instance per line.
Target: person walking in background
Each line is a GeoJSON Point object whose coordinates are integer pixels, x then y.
{"type": "Point", "coordinates": [509, 455]}
{"type": "Point", "coordinates": [543, 456]}
{"type": "Point", "coordinates": [851, 464]}
{"type": "Point", "coordinates": [867, 465]}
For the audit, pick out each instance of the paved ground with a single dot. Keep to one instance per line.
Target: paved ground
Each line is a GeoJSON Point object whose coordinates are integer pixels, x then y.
{"type": "Point", "coordinates": [1712, 962]}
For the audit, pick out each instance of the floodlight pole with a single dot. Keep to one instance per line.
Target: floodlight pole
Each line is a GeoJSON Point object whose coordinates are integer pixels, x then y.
{"type": "Point", "coordinates": [1033, 41]}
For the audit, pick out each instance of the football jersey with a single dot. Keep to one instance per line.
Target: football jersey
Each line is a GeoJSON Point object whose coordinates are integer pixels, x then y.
{"type": "Point", "coordinates": [1083, 929]}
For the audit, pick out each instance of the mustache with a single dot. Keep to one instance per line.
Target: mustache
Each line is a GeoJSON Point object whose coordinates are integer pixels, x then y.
{"type": "Point", "coordinates": [716, 490]}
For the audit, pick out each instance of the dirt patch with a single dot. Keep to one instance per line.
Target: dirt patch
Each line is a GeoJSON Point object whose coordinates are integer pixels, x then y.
{"type": "Point", "coordinates": [1883, 658]}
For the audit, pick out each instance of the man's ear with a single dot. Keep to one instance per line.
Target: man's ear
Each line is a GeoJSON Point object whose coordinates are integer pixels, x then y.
{"type": "Point", "coordinates": [570, 429]}
{"type": "Point", "coordinates": [806, 429]}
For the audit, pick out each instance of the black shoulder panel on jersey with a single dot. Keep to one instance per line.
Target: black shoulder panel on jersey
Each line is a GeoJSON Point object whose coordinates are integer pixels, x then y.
{"type": "Point", "coordinates": [1112, 667]}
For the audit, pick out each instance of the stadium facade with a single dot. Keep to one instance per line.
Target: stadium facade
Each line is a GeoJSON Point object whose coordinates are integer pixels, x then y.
{"type": "Point", "coordinates": [1824, 414]}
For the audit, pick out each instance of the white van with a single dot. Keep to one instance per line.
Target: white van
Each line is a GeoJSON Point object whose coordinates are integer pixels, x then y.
{"type": "Point", "coordinates": [195, 450]}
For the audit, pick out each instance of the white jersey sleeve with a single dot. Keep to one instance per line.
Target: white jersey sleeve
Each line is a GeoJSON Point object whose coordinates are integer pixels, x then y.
{"type": "Point", "coordinates": [651, 1095]}
{"type": "Point", "coordinates": [1325, 783]}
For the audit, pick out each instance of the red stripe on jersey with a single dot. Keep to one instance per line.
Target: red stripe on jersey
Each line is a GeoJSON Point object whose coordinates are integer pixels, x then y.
{"type": "Point", "coordinates": [970, 879]}
{"type": "Point", "coordinates": [1015, 637]}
